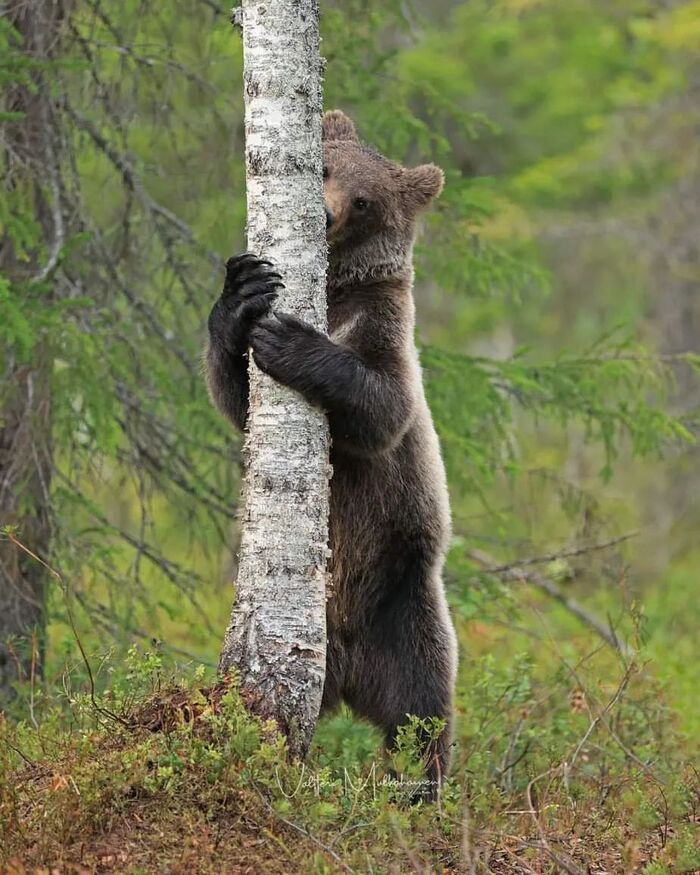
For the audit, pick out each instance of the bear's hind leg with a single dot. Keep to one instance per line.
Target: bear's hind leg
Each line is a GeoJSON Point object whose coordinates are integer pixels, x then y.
{"type": "Point", "coordinates": [407, 666]}
{"type": "Point", "coordinates": [436, 754]}
{"type": "Point", "coordinates": [335, 673]}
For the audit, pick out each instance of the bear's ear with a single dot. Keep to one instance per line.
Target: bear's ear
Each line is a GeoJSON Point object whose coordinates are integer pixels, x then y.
{"type": "Point", "coordinates": [337, 126]}
{"type": "Point", "coordinates": [423, 184]}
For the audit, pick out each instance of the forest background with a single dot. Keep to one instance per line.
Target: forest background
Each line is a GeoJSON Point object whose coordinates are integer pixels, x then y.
{"type": "Point", "coordinates": [557, 298]}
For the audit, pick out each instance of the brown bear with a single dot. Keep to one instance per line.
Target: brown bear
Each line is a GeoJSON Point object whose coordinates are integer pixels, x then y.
{"type": "Point", "coordinates": [391, 644]}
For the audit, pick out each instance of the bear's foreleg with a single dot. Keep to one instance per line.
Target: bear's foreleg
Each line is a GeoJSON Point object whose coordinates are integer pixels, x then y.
{"type": "Point", "coordinates": [249, 291]}
{"type": "Point", "coordinates": [369, 408]}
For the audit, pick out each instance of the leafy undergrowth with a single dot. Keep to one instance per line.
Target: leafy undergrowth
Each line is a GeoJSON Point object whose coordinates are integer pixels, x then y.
{"type": "Point", "coordinates": [181, 779]}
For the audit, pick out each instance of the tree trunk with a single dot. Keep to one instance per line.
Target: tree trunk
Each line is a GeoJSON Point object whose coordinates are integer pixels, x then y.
{"type": "Point", "coordinates": [30, 163]}
{"type": "Point", "coordinates": [277, 636]}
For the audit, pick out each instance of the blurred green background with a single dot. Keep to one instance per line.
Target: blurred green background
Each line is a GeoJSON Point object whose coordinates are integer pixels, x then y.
{"type": "Point", "coordinates": [557, 293]}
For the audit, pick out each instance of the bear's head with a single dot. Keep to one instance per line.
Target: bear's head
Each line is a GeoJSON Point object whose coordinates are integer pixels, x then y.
{"type": "Point", "coordinates": [371, 204]}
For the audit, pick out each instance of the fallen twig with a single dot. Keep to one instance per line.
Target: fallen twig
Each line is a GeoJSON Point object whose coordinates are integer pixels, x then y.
{"type": "Point", "coordinates": [100, 709]}
{"type": "Point", "coordinates": [304, 832]}
{"type": "Point", "coordinates": [561, 862]}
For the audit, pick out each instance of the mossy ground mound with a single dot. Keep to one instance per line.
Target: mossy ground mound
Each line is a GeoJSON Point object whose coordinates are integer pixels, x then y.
{"type": "Point", "coordinates": [187, 782]}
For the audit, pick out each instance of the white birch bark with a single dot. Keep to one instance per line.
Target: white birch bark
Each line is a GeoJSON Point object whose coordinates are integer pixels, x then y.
{"type": "Point", "coordinates": [277, 636]}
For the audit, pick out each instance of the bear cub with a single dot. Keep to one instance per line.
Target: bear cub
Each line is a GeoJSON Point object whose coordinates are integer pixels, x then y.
{"type": "Point", "coordinates": [391, 644]}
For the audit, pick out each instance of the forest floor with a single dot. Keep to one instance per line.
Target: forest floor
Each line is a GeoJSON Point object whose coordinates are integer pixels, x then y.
{"type": "Point", "coordinates": [189, 783]}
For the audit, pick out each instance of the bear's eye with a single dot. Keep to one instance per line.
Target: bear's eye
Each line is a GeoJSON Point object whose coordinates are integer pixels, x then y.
{"type": "Point", "coordinates": [325, 172]}
{"type": "Point", "coordinates": [360, 204]}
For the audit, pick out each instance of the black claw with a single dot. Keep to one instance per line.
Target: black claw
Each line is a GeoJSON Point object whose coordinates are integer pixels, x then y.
{"type": "Point", "coordinates": [235, 260]}
{"type": "Point", "coordinates": [247, 260]}
{"type": "Point", "coordinates": [256, 282]}
{"type": "Point", "coordinates": [255, 278]}
{"type": "Point", "coordinates": [257, 289]}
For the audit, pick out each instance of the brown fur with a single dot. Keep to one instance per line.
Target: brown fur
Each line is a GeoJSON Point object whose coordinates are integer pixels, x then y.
{"type": "Point", "coordinates": [391, 644]}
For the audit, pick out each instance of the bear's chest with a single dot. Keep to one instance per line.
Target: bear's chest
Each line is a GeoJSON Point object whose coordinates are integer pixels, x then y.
{"type": "Point", "coordinates": [343, 319]}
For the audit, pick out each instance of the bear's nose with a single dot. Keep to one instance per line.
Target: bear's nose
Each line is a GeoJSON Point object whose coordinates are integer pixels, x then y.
{"type": "Point", "coordinates": [329, 217]}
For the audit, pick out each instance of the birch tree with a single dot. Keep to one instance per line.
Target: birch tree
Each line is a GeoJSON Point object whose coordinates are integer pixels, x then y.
{"type": "Point", "coordinates": [276, 638]}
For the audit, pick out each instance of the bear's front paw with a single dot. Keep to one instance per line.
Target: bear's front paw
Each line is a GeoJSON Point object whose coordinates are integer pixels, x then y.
{"type": "Point", "coordinates": [281, 345]}
{"type": "Point", "coordinates": [249, 291]}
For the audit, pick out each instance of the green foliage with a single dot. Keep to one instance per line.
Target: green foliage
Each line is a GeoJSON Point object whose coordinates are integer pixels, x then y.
{"type": "Point", "coordinates": [188, 766]}
{"type": "Point", "coordinates": [15, 67]}
{"type": "Point", "coordinates": [606, 391]}
{"type": "Point", "coordinates": [562, 128]}
{"type": "Point", "coordinates": [148, 98]}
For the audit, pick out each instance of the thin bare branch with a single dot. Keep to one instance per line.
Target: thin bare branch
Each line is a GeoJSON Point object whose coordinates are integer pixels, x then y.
{"type": "Point", "coordinates": [546, 585]}
{"type": "Point", "coordinates": [562, 554]}
{"type": "Point", "coordinates": [133, 181]}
